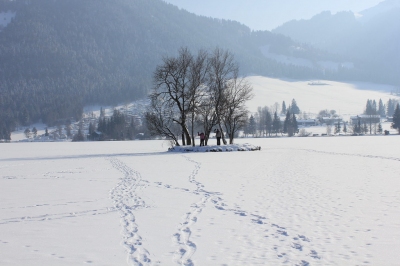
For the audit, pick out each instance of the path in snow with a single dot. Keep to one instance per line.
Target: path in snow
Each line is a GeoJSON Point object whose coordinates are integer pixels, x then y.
{"type": "Point", "coordinates": [262, 229]}
{"type": "Point", "coordinates": [186, 247]}
{"type": "Point", "coordinates": [126, 202]}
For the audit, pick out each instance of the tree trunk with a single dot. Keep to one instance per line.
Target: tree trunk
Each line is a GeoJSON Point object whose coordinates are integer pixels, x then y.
{"type": "Point", "coordinates": [231, 137]}
{"type": "Point", "coordinates": [187, 135]}
{"type": "Point", "coordinates": [192, 129]}
{"type": "Point", "coordinates": [222, 135]}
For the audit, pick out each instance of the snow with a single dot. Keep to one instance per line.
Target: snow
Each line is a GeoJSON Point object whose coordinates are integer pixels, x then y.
{"type": "Point", "coordinates": [216, 148]}
{"type": "Point", "coordinates": [5, 18]}
{"type": "Point", "coordinates": [346, 98]}
{"type": "Point", "coordinates": [297, 201]}
{"type": "Point", "coordinates": [303, 62]}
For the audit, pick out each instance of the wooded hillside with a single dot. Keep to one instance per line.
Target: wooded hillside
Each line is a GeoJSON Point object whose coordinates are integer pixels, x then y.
{"type": "Point", "coordinates": [56, 56]}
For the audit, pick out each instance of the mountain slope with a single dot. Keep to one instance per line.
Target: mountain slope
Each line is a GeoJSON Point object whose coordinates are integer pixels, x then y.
{"type": "Point", "coordinates": [56, 56]}
{"type": "Point", "coordinates": [372, 40]}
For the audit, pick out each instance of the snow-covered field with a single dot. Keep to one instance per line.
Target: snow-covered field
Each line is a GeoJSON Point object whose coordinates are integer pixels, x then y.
{"type": "Point", "coordinates": [298, 201]}
{"type": "Point", "coordinates": [346, 98]}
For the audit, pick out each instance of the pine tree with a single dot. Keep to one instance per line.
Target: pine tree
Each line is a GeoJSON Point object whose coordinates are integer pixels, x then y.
{"type": "Point", "coordinates": [370, 108]}
{"type": "Point", "coordinates": [396, 118]}
{"type": "Point", "coordinates": [283, 108]}
{"type": "Point", "coordinates": [286, 123]}
{"type": "Point", "coordinates": [374, 107]}
{"type": "Point", "coordinates": [294, 125]}
{"type": "Point", "coordinates": [27, 133]}
{"type": "Point", "coordinates": [380, 130]}
{"type": "Point", "coordinates": [276, 124]}
{"type": "Point", "coordinates": [381, 108]}
{"type": "Point", "coordinates": [390, 107]}
{"type": "Point", "coordinates": [268, 122]}
{"type": "Point", "coordinates": [294, 109]}
{"type": "Point", "coordinates": [34, 132]}
{"type": "Point", "coordinates": [252, 125]}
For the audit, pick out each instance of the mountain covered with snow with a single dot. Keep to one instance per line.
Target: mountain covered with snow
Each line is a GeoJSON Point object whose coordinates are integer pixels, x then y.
{"type": "Point", "coordinates": [370, 38]}
{"type": "Point", "coordinates": [58, 56]}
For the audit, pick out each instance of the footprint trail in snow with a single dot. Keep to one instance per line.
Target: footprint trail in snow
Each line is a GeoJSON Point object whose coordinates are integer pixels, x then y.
{"type": "Point", "coordinates": [126, 202]}
{"type": "Point", "coordinates": [186, 248]}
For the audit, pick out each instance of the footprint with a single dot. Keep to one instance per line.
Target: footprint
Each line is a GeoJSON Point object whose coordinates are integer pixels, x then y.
{"type": "Point", "coordinates": [297, 246]}
{"type": "Point", "coordinates": [304, 238]}
{"type": "Point", "coordinates": [314, 255]}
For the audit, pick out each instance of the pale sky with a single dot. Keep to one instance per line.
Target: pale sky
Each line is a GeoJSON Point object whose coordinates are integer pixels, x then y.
{"type": "Point", "coordinates": [269, 14]}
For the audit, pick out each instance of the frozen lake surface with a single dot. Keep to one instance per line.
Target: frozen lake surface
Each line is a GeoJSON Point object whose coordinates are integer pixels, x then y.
{"type": "Point", "coordinates": [298, 201]}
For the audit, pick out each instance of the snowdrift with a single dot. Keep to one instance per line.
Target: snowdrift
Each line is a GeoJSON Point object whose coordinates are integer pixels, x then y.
{"type": "Point", "coordinates": [216, 148]}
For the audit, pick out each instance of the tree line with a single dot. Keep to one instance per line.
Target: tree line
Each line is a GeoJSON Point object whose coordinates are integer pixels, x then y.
{"type": "Point", "coordinates": [117, 127]}
{"type": "Point", "coordinates": [267, 121]}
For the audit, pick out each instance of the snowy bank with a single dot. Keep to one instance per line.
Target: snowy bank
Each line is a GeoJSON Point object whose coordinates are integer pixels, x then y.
{"type": "Point", "coordinates": [216, 148]}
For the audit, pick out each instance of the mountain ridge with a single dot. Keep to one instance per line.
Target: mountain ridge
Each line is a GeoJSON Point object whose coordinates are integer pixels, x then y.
{"type": "Point", "coordinates": [57, 56]}
{"type": "Point", "coordinates": [371, 42]}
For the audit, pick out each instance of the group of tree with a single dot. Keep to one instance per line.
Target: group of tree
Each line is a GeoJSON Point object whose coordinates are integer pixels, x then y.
{"type": "Point", "coordinates": [267, 121]}
{"type": "Point", "coordinates": [372, 108]}
{"type": "Point", "coordinates": [391, 106]}
{"type": "Point", "coordinates": [198, 93]}
{"type": "Point", "coordinates": [366, 127]}
{"type": "Point", "coordinates": [292, 108]}
{"type": "Point", "coordinates": [117, 127]}
{"type": "Point", "coordinates": [290, 126]}
{"type": "Point", "coordinates": [5, 134]}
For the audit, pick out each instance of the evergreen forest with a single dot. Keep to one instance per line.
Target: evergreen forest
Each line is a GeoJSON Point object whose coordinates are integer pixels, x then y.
{"type": "Point", "coordinates": [58, 56]}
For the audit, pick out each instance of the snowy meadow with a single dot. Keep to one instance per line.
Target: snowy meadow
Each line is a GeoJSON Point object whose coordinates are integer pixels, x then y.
{"type": "Point", "coordinates": [297, 201]}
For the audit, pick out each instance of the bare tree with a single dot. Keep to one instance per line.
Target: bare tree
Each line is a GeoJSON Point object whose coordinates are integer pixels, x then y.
{"type": "Point", "coordinates": [222, 69]}
{"type": "Point", "coordinates": [160, 119]}
{"type": "Point", "coordinates": [207, 116]}
{"type": "Point", "coordinates": [172, 87]}
{"type": "Point", "coordinates": [234, 116]}
{"type": "Point", "coordinates": [197, 87]}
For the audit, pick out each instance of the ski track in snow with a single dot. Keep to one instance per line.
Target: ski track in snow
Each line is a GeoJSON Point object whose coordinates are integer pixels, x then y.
{"type": "Point", "coordinates": [57, 216]}
{"type": "Point", "coordinates": [49, 205]}
{"type": "Point", "coordinates": [126, 202]}
{"type": "Point", "coordinates": [352, 154]}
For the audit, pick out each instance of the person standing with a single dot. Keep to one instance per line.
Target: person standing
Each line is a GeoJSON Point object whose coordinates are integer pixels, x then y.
{"type": "Point", "coordinates": [202, 137]}
{"type": "Point", "coordinates": [218, 136]}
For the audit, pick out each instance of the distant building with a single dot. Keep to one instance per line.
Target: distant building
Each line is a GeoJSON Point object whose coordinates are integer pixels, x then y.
{"type": "Point", "coordinates": [307, 122]}
{"type": "Point", "coordinates": [331, 120]}
{"type": "Point", "coordinates": [365, 119]}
